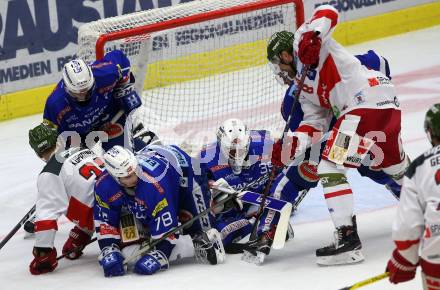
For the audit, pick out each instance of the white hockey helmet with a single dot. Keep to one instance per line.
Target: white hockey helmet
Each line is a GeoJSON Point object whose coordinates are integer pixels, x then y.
{"type": "Point", "coordinates": [234, 139]}
{"type": "Point", "coordinates": [78, 79]}
{"type": "Point", "coordinates": [120, 162]}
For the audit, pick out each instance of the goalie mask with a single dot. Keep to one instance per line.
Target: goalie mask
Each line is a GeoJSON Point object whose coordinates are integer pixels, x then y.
{"type": "Point", "coordinates": [78, 80]}
{"type": "Point", "coordinates": [122, 165]}
{"type": "Point", "coordinates": [233, 138]}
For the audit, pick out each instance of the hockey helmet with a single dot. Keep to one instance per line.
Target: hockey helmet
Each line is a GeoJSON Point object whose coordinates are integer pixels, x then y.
{"type": "Point", "coordinates": [234, 139]}
{"type": "Point", "coordinates": [278, 42]}
{"type": "Point", "coordinates": [78, 80]}
{"type": "Point", "coordinates": [120, 162]}
{"type": "Point", "coordinates": [432, 122]}
{"type": "Point", "coordinates": [42, 138]}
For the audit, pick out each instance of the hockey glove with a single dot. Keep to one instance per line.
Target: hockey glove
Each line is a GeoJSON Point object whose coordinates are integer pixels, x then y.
{"type": "Point", "coordinates": [289, 142]}
{"type": "Point", "coordinates": [400, 269]}
{"type": "Point", "coordinates": [45, 260]}
{"type": "Point", "coordinates": [309, 48]}
{"type": "Point", "coordinates": [112, 261]}
{"type": "Point", "coordinates": [221, 190]}
{"type": "Point", "coordinates": [76, 242]}
{"type": "Point", "coordinates": [127, 95]}
{"type": "Point", "coordinates": [151, 263]}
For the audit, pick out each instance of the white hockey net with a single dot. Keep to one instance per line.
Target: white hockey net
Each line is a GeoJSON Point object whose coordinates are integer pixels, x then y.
{"type": "Point", "coordinates": [200, 63]}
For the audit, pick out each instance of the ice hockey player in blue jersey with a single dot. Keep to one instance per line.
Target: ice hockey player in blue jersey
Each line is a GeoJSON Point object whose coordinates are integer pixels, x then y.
{"type": "Point", "coordinates": [158, 189]}
{"type": "Point", "coordinates": [238, 158]}
{"type": "Point", "coordinates": [89, 96]}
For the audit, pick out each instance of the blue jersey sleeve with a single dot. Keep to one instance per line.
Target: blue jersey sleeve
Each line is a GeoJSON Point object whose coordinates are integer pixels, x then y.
{"type": "Point", "coordinates": [286, 108]}
{"type": "Point", "coordinates": [112, 69]}
{"type": "Point", "coordinates": [109, 199]}
{"type": "Point", "coordinates": [54, 107]}
{"type": "Point", "coordinates": [376, 62]}
{"type": "Point", "coordinates": [118, 58]}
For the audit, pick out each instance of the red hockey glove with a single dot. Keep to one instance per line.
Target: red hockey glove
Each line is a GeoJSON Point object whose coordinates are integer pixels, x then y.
{"type": "Point", "coordinates": [309, 48]}
{"type": "Point", "coordinates": [289, 142]}
{"type": "Point", "coordinates": [45, 260]}
{"type": "Point", "coordinates": [76, 242]}
{"type": "Point", "coordinates": [401, 270]}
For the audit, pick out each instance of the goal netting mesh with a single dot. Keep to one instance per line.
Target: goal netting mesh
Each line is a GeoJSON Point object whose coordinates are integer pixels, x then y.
{"type": "Point", "coordinates": [199, 63]}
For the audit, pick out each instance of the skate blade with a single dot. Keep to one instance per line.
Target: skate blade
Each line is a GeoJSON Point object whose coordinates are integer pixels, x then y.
{"type": "Point", "coordinates": [346, 258]}
{"type": "Point", "coordinates": [252, 259]}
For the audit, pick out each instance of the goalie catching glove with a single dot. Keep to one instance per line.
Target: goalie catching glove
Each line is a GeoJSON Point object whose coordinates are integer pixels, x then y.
{"type": "Point", "coordinates": [220, 191]}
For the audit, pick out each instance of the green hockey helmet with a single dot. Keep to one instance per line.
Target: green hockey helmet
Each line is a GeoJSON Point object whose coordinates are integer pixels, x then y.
{"type": "Point", "coordinates": [432, 122]}
{"type": "Point", "coordinates": [42, 138]}
{"type": "Point", "coordinates": [278, 42]}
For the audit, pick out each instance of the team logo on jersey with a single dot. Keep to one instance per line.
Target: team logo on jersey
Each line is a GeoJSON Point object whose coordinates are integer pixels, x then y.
{"type": "Point", "coordinates": [308, 171]}
{"type": "Point", "coordinates": [373, 82]}
{"type": "Point", "coordinates": [359, 98]}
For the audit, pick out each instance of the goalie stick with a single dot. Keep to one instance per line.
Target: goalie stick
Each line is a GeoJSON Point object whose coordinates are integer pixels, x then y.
{"type": "Point", "coordinates": [17, 226]}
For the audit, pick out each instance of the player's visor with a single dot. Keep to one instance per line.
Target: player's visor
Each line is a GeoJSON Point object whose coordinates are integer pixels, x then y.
{"type": "Point", "coordinates": [83, 95]}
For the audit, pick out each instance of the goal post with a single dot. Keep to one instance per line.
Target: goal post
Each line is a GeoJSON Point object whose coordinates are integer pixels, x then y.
{"type": "Point", "coordinates": [199, 63]}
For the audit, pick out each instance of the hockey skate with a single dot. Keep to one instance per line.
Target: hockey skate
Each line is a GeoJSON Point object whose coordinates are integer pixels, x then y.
{"type": "Point", "coordinates": [345, 250]}
{"type": "Point", "coordinates": [256, 250]}
{"type": "Point", "coordinates": [208, 247]}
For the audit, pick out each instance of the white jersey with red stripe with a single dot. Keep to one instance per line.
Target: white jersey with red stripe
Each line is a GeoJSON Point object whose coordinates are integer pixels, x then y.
{"type": "Point", "coordinates": [65, 186]}
{"type": "Point", "coordinates": [417, 223]}
{"type": "Point", "coordinates": [340, 83]}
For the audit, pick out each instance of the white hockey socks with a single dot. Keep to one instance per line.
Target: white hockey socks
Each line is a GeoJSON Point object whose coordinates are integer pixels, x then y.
{"type": "Point", "coordinates": [337, 193]}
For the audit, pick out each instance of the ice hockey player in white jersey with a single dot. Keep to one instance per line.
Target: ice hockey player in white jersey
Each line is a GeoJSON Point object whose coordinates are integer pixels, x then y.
{"type": "Point", "coordinates": [416, 228]}
{"type": "Point", "coordinates": [368, 122]}
{"type": "Point", "coordinates": [65, 186]}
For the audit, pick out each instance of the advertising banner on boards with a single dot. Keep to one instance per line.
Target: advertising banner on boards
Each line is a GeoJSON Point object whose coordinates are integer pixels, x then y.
{"type": "Point", "coordinates": [37, 37]}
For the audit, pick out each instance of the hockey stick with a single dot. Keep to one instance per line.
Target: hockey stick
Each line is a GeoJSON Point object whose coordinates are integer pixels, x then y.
{"type": "Point", "coordinates": [367, 281]}
{"type": "Point", "coordinates": [282, 230]}
{"type": "Point", "coordinates": [17, 227]}
{"type": "Point", "coordinates": [74, 249]}
{"type": "Point", "coordinates": [152, 244]}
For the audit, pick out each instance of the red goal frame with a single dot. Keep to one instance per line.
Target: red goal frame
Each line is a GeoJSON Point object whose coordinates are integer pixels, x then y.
{"type": "Point", "coordinates": [103, 39]}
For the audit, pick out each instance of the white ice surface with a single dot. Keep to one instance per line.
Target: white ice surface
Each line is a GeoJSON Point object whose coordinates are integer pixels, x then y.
{"type": "Point", "coordinates": [415, 64]}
